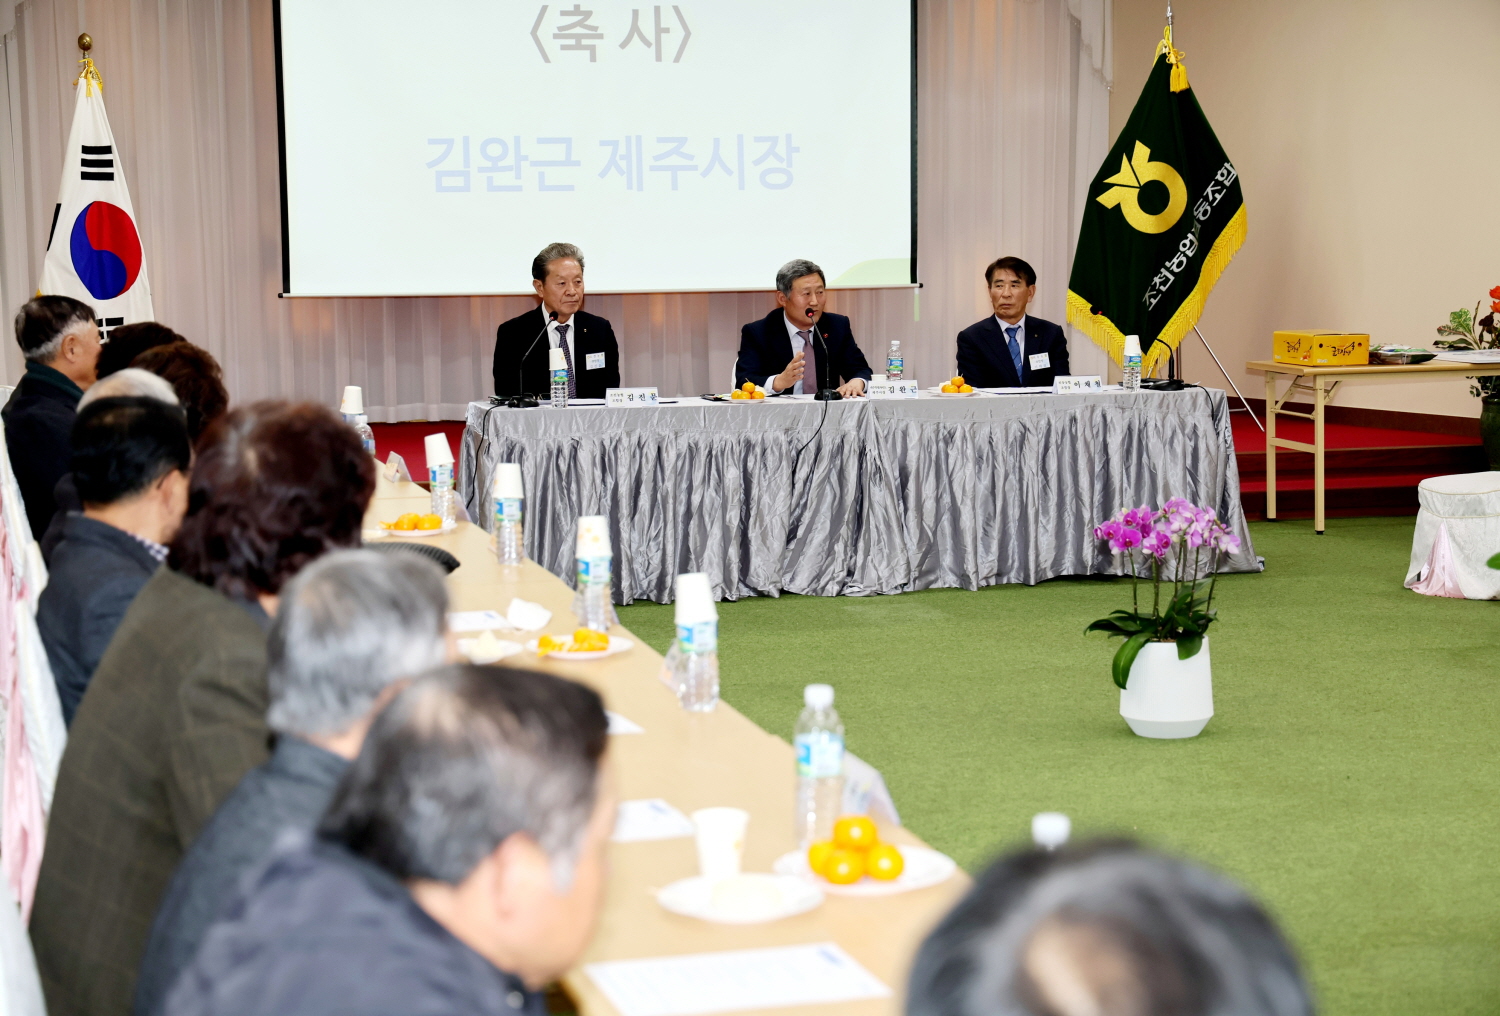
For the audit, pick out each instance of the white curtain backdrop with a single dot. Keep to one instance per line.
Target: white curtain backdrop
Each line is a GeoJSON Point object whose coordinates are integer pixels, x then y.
{"type": "Point", "coordinates": [1013, 121]}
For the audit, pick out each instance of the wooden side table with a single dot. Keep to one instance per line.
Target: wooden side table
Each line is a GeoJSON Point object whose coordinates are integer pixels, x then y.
{"type": "Point", "coordinates": [1322, 383]}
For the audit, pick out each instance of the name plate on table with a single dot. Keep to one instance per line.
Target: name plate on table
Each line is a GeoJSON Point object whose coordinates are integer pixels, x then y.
{"type": "Point", "coordinates": [1074, 383]}
{"type": "Point", "coordinates": [891, 389]}
{"type": "Point", "coordinates": [630, 398]}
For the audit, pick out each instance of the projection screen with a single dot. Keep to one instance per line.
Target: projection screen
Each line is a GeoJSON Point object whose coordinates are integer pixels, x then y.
{"type": "Point", "coordinates": [433, 149]}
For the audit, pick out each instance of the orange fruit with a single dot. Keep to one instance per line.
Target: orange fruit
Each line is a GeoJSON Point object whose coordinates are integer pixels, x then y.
{"type": "Point", "coordinates": [818, 854]}
{"type": "Point", "coordinates": [586, 640]}
{"type": "Point", "coordinates": [748, 386]}
{"type": "Point", "coordinates": [957, 381]}
{"type": "Point", "coordinates": [966, 388]}
{"type": "Point", "coordinates": [844, 867]}
{"type": "Point", "coordinates": [884, 862]}
{"type": "Point", "coordinates": [547, 644]}
{"type": "Point", "coordinates": [430, 522]}
{"type": "Point", "coordinates": [855, 832]}
{"type": "Point", "coordinates": [407, 521]}
{"type": "Point", "coordinates": [757, 395]}
{"type": "Point", "coordinates": [737, 394]}
{"type": "Point", "coordinates": [948, 389]}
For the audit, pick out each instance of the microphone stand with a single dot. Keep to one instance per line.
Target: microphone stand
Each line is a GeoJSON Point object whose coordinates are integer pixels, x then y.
{"type": "Point", "coordinates": [826, 391]}
{"type": "Point", "coordinates": [521, 400]}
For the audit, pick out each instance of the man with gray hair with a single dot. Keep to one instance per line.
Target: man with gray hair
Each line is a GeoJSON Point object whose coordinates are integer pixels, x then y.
{"type": "Point", "coordinates": [459, 868]}
{"type": "Point", "coordinates": [350, 626]}
{"type": "Point", "coordinates": [800, 349]}
{"type": "Point", "coordinates": [60, 340]}
{"type": "Point", "coordinates": [587, 341]}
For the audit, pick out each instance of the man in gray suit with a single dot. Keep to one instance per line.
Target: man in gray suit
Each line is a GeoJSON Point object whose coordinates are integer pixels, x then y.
{"type": "Point", "coordinates": [350, 627]}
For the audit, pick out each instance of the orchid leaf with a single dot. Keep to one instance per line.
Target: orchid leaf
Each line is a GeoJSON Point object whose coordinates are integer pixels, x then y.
{"type": "Point", "coordinates": [1188, 646]}
{"type": "Point", "coordinates": [1126, 655]}
{"type": "Point", "coordinates": [1494, 562]}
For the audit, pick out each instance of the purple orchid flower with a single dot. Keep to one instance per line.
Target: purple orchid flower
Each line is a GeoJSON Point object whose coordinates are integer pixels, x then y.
{"type": "Point", "coordinates": [1156, 544]}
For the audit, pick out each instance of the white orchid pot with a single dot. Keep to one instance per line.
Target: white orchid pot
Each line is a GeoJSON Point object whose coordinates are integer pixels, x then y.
{"type": "Point", "coordinates": [1166, 697]}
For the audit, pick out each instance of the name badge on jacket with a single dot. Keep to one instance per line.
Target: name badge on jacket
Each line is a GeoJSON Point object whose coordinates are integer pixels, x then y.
{"type": "Point", "coordinates": [1040, 361]}
{"type": "Point", "coordinates": [595, 361]}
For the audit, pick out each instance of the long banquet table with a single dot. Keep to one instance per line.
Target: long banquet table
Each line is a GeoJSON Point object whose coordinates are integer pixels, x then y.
{"type": "Point", "coordinates": [856, 497]}
{"type": "Point", "coordinates": [692, 761]}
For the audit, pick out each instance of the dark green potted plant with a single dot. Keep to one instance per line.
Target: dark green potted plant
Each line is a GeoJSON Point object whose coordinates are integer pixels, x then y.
{"type": "Point", "coordinates": [1467, 330]}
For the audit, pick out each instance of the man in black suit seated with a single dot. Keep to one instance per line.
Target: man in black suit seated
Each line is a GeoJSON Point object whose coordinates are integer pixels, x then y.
{"type": "Point", "coordinates": [587, 341]}
{"type": "Point", "coordinates": [60, 340]}
{"type": "Point", "coordinates": [1011, 349]}
{"type": "Point", "coordinates": [130, 462]}
{"type": "Point", "coordinates": [774, 351]}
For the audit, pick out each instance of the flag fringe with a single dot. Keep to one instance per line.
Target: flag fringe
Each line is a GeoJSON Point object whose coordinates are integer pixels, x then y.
{"type": "Point", "coordinates": [1108, 336]}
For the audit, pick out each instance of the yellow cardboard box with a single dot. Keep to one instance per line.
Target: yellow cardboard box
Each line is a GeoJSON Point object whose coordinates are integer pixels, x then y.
{"type": "Point", "coordinates": [1320, 349]}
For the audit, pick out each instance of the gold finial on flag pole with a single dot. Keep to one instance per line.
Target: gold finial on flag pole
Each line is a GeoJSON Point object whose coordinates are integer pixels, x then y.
{"type": "Point", "coordinates": [89, 73]}
{"type": "Point", "coordinates": [86, 41]}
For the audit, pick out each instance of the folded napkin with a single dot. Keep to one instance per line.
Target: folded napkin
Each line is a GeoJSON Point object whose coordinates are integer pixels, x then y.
{"type": "Point", "coordinates": [527, 616]}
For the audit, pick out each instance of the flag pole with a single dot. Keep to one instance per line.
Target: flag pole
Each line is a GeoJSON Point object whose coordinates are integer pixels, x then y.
{"type": "Point", "coordinates": [1229, 379]}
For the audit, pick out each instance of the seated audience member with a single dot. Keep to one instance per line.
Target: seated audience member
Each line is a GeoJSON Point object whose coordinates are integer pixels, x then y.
{"type": "Point", "coordinates": [60, 341]}
{"type": "Point", "coordinates": [127, 342]}
{"type": "Point", "coordinates": [125, 383]}
{"type": "Point", "coordinates": [131, 459]}
{"type": "Point", "coordinates": [1011, 349]}
{"type": "Point", "coordinates": [587, 341]}
{"type": "Point", "coordinates": [351, 625]}
{"type": "Point", "coordinates": [459, 869]}
{"type": "Point", "coordinates": [176, 712]}
{"type": "Point", "coordinates": [781, 353]}
{"type": "Point", "coordinates": [1105, 929]}
{"type": "Point", "coordinates": [195, 376]}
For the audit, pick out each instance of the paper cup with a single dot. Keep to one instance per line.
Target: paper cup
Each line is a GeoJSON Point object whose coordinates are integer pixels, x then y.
{"type": "Point", "coordinates": [438, 452]}
{"type": "Point", "coordinates": [354, 401]}
{"type": "Point", "coordinates": [695, 599]}
{"type": "Point", "coordinates": [508, 480]}
{"type": "Point", "coordinates": [1132, 345]}
{"type": "Point", "coordinates": [557, 359]}
{"type": "Point", "coordinates": [593, 535]}
{"type": "Point", "coordinates": [721, 840]}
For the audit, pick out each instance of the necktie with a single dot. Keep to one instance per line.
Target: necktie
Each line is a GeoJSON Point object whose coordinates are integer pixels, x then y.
{"type": "Point", "coordinates": [1015, 350]}
{"type": "Point", "coordinates": [807, 364]}
{"type": "Point", "coordinates": [562, 340]}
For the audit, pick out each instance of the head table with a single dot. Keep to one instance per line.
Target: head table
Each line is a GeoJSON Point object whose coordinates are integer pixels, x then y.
{"type": "Point", "coordinates": [857, 497]}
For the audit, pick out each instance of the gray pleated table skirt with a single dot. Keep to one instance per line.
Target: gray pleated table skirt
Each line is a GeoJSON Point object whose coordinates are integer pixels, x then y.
{"type": "Point", "coordinates": [865, 498]}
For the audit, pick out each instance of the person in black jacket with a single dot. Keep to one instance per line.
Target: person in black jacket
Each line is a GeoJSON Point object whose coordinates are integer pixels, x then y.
{"type": "Point", "coordinates": [775, 353]}
{"type": "Point", "coordinates": [587, 341]}
{"type": "Point", "coordinates": [60, 340]}
{"type": "Point", "coordinates": [459, 868]}
{"type": "Point", "coordinates": [1011, 349]}
{"type": "Point", "coordinates": [130, 465]}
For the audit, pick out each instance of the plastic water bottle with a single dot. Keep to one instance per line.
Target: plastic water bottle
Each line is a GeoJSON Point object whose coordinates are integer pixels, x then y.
{"type": "Point", "coordinates": [1132, 363]}
{"type": "Point", "coordinates": [440, 478]}
{"type": "Point", "coordinates": [695, 671]}
{"type": "Point", "coordinates": [559, 379]}
{"type": "Point", "coordinates": [591, 602]}
{"type": "Point", "coordinates": [366, 435]}
{"type": "Point", "coordinates": [895, 363]}
{"type": "Point", "coordinates": [509, 503]}
{"type": "Point", "coordinates": [819, 744]}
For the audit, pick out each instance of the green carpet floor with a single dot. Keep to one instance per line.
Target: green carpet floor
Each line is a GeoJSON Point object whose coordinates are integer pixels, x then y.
{"type": "Point", "coordinates": [1348, 778]}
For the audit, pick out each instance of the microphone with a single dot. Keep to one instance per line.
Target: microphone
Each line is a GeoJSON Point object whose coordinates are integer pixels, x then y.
{"type": "Point", "coordinates": [826, 391]}
{"type": "Point", "coordinates": [521, 400]}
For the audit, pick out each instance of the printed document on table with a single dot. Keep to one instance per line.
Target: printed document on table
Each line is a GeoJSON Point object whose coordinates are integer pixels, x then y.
{"type": "Point", "coordinates": [732, 981]}
{"type": "Point", "coordinates": [651, 819]}
{"type": "Point", "coordinates": [461, 621]}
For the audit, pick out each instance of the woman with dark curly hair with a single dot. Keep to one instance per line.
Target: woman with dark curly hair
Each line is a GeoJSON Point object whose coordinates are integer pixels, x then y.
{"type": "Point", "coordinates": [175, 714]}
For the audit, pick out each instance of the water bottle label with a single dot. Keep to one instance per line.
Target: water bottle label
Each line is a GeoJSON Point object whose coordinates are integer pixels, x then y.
{"type": "Point", "coordinates": [508, 509]}
{"type": "Point", "coordinates": [441, 474]}
{"type": "Point", "coordinates": [594, 570]}
{"type": "Point", "coordinates": [1132, 361]}
{"type": "Point", "coordinates": [370, 445]}
{"type": "Point", "coordinates": [894, 364]}
{"type": "Point", "coordinates": [820, 755]}
{"type": "Point", "coordinates": [702, 637]}
{"type": "Point", "coordinates": [560, 377]}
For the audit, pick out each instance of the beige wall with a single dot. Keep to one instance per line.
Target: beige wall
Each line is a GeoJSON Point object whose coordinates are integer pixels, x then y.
{"type": "Point", "coordinates": [1367, 137]}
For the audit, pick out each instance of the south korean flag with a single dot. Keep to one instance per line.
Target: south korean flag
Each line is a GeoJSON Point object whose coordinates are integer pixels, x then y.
{"type": "Point", "coordinates": [94, 250]}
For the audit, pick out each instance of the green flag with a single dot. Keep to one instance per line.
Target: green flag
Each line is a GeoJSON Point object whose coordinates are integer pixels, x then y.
{"type": "Point", "coordinates": [1163, 217]}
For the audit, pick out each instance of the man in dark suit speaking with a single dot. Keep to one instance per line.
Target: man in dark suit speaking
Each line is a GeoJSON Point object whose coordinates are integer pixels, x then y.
{"type": "Point", "coordinates": [587, 341]}
{"type": "Point", "coordinates": [782, 355]}
{"type": "Point", "coordinates": [1011, 349]}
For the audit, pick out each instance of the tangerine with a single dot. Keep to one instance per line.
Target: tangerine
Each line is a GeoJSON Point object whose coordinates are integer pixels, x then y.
{"type": "Point", "coordinates": [966, 388]}
{"type": "Point", "coordinates": [407, 521]}
{"type": "Point", "coordinates": [844, 867]}
{"type": "Point", "coordinates": [737, 395]}
{"type": "Point", "coordinates": [957, 381]}
{"type": "Point", "coordinates": [748, 386]}
{"type": "Point", "coordinates": [757, 395]}
{"type": "Point", "coordinates": [884, 862]}
{"type": "Point", "coordinates": [547, 644]}
{"type": "Point", "coordinates": [818, 854]}
{"type": "Point", "coordinates": [948, 389]}
{"type": "Point", "coordinates": [855, 832]}
{"type": "Point", "coordinates": [430, 522]}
